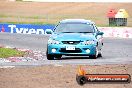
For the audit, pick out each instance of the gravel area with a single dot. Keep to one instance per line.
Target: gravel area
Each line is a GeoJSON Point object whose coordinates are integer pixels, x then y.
{"type": "Point", "coordinates": [62, 76]}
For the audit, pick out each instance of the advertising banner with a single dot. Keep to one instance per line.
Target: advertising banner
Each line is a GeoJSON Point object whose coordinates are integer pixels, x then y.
{"type": "Point", "coordinates": [25, 28]}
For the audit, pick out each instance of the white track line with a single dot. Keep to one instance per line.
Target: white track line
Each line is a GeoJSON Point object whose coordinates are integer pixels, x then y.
{"type": "Point", "coordinates": [7, 66]}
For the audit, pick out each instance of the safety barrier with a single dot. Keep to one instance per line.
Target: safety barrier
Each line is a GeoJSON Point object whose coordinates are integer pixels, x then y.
{"type": "Point", "coordinates": [122, 32]}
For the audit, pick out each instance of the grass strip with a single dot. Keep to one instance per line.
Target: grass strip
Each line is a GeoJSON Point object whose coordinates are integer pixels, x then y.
{"type": "Point", "coordinates": [7, 52]}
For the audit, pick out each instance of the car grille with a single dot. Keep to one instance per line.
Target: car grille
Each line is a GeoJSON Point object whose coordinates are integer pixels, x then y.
{"type": "Point", "coordinates": [71, 42]}
{"type": "Point", "coordinates": [77, 50]}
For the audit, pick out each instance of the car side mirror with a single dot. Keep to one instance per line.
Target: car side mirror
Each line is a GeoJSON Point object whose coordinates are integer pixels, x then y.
{"type": "Point", "coordinates": [100, 33]}
{"type": "Point", "coordinates": [48, 32]}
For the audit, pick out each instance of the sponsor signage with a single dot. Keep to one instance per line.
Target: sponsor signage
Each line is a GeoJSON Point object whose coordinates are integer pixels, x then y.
{"type": "Point", "coordinates": [26, 28]}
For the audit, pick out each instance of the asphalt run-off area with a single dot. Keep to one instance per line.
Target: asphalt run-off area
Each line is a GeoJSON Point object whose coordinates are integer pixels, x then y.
{"type": "Point", "coordinates": [115, 51]}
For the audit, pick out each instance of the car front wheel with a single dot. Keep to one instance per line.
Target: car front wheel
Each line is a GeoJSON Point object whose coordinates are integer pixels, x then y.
{"type": "Point", "coordinates": [49, 56]}
{"type": "Point", "coordinates": [58, 56]}
{"type": "Point", "coordinates": [92, 56]}
{"type": "Point", "coordinates": [95, 55]}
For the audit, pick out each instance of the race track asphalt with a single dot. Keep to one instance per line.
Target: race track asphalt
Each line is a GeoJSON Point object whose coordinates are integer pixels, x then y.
{"type": "Point", "coordinates": [115, 50]}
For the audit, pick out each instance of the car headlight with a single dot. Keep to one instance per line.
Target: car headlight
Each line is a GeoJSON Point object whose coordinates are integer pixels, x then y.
{"type": "Point", "coordinates": [50, 41]}
{"type": "Point", "coordinates": [89, 42]}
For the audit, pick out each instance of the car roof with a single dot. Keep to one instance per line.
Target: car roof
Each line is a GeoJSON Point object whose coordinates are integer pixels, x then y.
{"type": "Point", "coordinates": [77, 21]}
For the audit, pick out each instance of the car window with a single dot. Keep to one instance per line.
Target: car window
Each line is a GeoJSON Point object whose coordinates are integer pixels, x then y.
{"type": "Point", "coordinates": [96, 29]}
{"type": "Point", "coordinates": [74, 27]}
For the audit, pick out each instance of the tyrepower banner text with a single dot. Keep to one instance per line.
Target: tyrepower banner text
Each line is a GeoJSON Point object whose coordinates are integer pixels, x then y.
{"type": "Point", "coordinates": [25, 28]}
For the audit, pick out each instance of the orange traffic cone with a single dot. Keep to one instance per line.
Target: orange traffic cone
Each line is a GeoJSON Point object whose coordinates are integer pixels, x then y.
{"type": "Point", "coordinates": [3, 29]}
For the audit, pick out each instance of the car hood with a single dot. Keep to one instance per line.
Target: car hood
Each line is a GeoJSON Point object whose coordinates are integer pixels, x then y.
{"type": "Point", "coordinates": [73, 36]}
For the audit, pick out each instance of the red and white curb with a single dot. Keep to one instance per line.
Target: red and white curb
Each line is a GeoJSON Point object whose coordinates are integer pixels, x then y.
{"type": "Point", "coordinates": [2, 60]}
{"type": "Point", "coordinates": [31, 56]}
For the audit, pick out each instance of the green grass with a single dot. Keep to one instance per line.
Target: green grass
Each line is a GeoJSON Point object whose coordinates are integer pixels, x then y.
{"type": "Point", "coordinates": [29, 17]}
{"type": "Point", "coordinates": [19, 0]}
{"type": "Point", "coordinates": [7, 52]}
{"type": "Point", "coordinates": [37, 23]}
{"type": "Point", "coordinates": [54, 19]}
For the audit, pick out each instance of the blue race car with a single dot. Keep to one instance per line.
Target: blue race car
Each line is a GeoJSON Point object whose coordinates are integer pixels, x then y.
{"type": "Point", "coordinates": [78, 37]}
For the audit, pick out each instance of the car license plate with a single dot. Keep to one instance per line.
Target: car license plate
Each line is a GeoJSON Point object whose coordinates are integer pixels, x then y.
{"type": "Point", "coordinates": [70, 48]}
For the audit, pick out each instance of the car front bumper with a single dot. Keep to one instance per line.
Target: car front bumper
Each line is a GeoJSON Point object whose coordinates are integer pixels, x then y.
{"type": "Point", "coordinates": [60, 49]}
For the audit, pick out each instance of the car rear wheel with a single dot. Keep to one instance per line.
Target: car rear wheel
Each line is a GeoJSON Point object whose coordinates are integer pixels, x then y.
{"type": "Point", "coordinates": [99, 55]}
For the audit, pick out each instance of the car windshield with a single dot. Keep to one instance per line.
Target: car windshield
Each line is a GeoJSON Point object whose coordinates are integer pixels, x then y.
{"type": "Point", "coordinates": [74, 28]}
